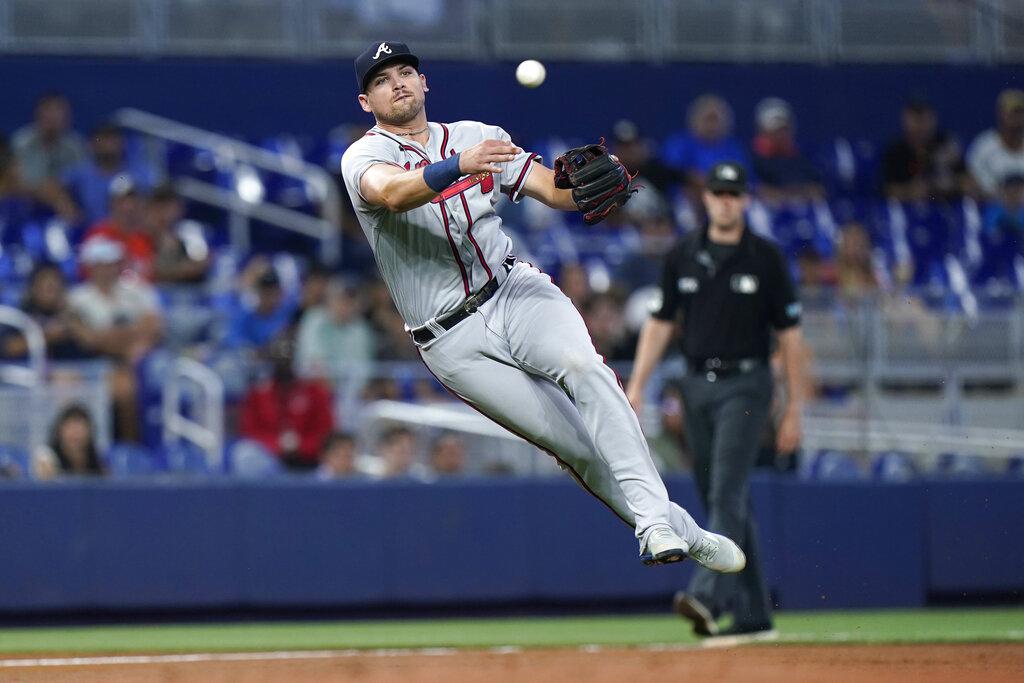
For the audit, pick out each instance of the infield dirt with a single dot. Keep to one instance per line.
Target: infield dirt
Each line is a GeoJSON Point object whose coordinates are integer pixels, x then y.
{"type": "Point", "coordinates": [768, 663]}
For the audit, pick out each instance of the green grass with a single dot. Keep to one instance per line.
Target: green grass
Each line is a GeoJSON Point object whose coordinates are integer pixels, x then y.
{"type": "Point", "coordinates": [932, 626]}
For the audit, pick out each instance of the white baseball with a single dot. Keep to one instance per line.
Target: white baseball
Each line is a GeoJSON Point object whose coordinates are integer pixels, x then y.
{"type": "Point", "coordinates": [530, 73]}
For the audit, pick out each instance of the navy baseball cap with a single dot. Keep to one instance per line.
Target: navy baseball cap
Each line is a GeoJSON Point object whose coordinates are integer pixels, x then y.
{"type": "Point", "coordinates": [379, 54]}
{"type": "Point", "coordinates": [727, 176]}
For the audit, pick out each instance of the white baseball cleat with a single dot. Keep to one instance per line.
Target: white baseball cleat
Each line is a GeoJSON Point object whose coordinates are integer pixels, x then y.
{"type": "Point", "coordinates": [663, 546]}
{"type": "Point", "coordinates": [718, 553]}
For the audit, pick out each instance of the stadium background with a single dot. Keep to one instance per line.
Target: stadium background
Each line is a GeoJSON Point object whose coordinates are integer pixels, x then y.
{"type": "Point", "coordinates": [906, 492]}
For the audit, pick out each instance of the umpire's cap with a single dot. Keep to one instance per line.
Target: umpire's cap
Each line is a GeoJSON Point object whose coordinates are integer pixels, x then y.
{"type": "Point", "coordinates": [379, 54]}
{"type": "Point", "coordinates": [727, 176]}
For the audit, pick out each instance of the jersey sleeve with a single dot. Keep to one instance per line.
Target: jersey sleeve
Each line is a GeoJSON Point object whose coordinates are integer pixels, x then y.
{"type": "Point", "coordinates": [360, 156]}
{"type": "Point", "coordinates": [514, 173]}
{"type": "Point", "coordinates": [669, 306]}
{"type": "Point", "coordinates": [783, 304]}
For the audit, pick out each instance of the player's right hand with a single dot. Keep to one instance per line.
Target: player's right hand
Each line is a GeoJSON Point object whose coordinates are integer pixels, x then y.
{"type": "Point", "coordinates": [485, 156]}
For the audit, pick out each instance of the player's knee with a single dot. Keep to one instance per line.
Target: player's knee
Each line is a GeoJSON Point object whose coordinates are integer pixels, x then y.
{"type": "Point", "coordinates": [580, 362]}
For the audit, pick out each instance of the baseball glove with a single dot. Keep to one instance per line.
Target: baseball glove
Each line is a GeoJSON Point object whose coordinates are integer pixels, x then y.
{"type": "Point", "coordinates": [599, 182]}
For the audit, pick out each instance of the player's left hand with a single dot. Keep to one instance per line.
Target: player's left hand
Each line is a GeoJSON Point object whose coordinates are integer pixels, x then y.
{"type": "Point", "coordinates": [788, 437]}
{"type": "Point", "coordinates": [600, 183]}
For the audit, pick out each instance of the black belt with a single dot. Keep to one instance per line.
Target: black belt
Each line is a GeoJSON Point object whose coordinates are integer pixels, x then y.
{"type": "Point", "coordinates": [715, 368]}
{"type": "Point", "coordinates": [422, 335]}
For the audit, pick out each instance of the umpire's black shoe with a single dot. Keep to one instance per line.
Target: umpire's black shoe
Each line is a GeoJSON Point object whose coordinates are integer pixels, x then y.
{"type": "Point", "coordinates": [689, 607]}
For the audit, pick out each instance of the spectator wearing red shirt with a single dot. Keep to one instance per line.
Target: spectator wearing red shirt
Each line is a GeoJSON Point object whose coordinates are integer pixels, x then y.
{"type": "Point", "coordinates": [290, 416]}
{"type": "Point", "coordinates": [125, 226]}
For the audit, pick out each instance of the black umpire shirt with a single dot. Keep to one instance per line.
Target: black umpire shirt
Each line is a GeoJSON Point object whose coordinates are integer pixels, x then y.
{"type": "Point", "coordinates": [730, 297]}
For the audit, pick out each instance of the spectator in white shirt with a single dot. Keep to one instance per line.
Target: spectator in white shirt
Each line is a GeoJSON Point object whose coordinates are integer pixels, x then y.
{"type": "Point", "coordinates": [999, 152]}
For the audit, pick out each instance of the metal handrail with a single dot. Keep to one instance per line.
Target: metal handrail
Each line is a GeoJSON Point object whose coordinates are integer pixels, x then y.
{"type": "Point", "coordinates": [208, 433]}
{"type": "Point", "coordinates": [326, 228]}
{"type": "Point", "coordinates": [35, 373]}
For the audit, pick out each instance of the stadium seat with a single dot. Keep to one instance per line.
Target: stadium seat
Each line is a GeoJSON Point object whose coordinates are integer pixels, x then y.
{"type": "Point", "coordinates": [15, 462]}
{"type": "Point", "coordinates": [959, 466]}
{"type": "Point", "coordinates": [250, 460]}
{"type": "Point", "coordinates": [893, 466]}
{"type": "Point", "coordinates": [830, 465]}
{"type": "Point", "coordinates": [186, 458]}
{"type": "Point", "coordinates": [131, 460]}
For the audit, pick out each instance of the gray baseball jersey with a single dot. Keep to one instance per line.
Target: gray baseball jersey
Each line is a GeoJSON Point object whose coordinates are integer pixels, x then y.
{"type": "Point", "coordinates": [434, 256]}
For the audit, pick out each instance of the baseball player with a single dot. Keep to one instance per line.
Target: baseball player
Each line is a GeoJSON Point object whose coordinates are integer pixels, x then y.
{"type": "Point", "coordinates": [493, 330]}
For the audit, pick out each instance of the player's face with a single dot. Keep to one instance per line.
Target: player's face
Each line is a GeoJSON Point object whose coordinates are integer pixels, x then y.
{"type": "Point", "coordinates": [725, 209]}
{"type": "Point", "coordinates": [395, 94]}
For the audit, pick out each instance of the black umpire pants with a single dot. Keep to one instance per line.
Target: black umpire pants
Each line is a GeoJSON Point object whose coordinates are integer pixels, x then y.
{"type": "Point", "coordinates": [725, 420]}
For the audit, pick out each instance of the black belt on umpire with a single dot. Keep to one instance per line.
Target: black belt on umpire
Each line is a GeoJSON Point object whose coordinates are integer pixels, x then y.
{"type": "Point", "coordinates": [714, 368]}
{"type": "Point", "coordinates": [423, 334]}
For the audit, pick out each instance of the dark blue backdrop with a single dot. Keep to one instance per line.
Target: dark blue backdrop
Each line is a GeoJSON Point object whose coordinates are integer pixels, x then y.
{"type": "Point", "coordinates": [218, 544]}
{"type": "Point", "coordinates": [258, 98]}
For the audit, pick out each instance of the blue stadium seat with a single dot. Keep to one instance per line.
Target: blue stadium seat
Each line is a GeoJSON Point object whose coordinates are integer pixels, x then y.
{"type": "Point", "coordinates": [15, 462]}
{"type": "Point", "coordinates": [850, 167]}
{"type": "Point", "coordinates": [893, 466]}
{"type": "Point", "coordinates": [132, 460]}
{"type": "Point", "coordinates": [250, 460]}
{"type": "Point", "coordinates": [186, 458]}
{"type": "Point", "coordinates": [830, 465]}
{"type": "Point", "coordinates": [1015, 467]}
{"type": "Point", "coordinates": [960, 466]}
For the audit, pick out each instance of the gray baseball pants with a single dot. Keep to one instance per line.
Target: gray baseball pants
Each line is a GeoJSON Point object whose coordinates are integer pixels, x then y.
{"type": "Point", "coordinates": [526, 361]}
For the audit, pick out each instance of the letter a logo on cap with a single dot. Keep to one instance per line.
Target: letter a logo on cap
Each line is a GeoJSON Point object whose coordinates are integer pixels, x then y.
{"type": "Point", "coordinates": [727, 173]}
{"type": "Point", "coordinates": [383, 47]}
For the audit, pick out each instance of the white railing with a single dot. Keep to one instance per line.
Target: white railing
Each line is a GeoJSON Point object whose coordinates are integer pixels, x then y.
{"type": "Point", "coordinates": [235, 154]}
{"type": "Point", "coordinates": [34, 373]}
{"type": "Point", "coordinates": [513, 452]}
{"type": "Point", "coordinates": [207, 430]}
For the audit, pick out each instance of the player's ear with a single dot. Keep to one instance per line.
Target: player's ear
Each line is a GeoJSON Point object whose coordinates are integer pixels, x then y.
{"type": "Point", "coordinates": [423, 81]}
{"type": "Point", "coordinates": [364, 102]}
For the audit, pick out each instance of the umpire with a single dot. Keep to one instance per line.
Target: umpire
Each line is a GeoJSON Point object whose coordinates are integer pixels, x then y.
{"type": "Point", "coordinates": [730, 289]}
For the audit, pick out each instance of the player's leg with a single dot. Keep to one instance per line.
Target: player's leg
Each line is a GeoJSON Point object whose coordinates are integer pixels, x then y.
{"type": "Point", "coordinates": [547, 336]}
{"type": "Point", "coordinates": [475, 365]}
{"type": "Point", "coordinates": [740, 413]}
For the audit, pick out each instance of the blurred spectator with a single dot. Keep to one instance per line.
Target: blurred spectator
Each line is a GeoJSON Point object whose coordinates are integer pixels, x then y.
{"type": "Point", "coordinates": [182, 255]}
{"type": "Point", "coordinates": [707, 141]}
{"type": "Point", "coordinates": [855, 267]}
{"type": "Point", "coordinates": [338, 457]}
{"type": "Point", "coordinates": [397, 451]}
{"type": "Point", "coordinates": [89, 181]}
{"type": "Point", "coordinates": [16, 196]}
{"type": "Point", "coordinates": [334, 339]}
{"type": "Point", "coordinates": [314, 291]}
{"type": "Point", "coordinates": [926, 162]}
{"type": "Point", "coordinates": [448, 456]}
{"type": "Point", "coordinates": [1001, 241]}
{"type": "Point", "coordinates": [124, 226]}
{"type": "Point", "coordinates": [393, 342]}
{"type": "Point", "coordinates": [46, 302]}
{"type": "Point", "coordinates": [289, 416]}
{"type": "Point", "coordinates": [636, 154]}
{"type": "Point", "coordinates": [573, 281]}
{"type": "Point", "coordinates": [118, 317]}
{"type": "Point", "coordinates": [15, 207]}
{"type": "Point", "coordinates": [999, 152]}
{"type": "Point", "coordinates": [48, 146]}
{"type": "Point", "coordinates": [642, 266]}
{"type": "Point", "coordinates": [814, 271]}
{"type": "Point", "coordinates": [783, 172]}
{"type": "Point", "coordinates": [258, 325]}
{"type": "Point", "coordinates": [71, 449]}
{"type": "Point", "coordinates": [606, 323]}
